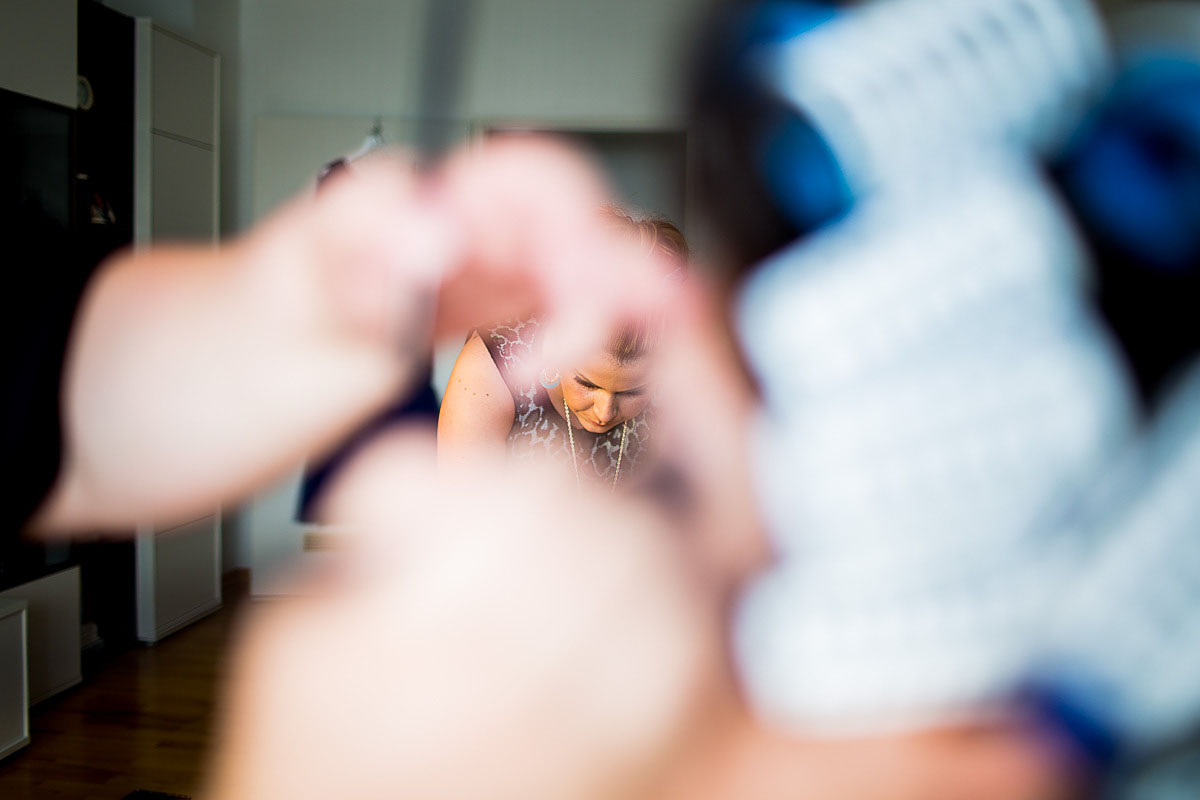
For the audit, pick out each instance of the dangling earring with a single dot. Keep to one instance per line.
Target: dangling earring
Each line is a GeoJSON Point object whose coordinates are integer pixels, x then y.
{"type": "Point", "coordinates": [550, 381]}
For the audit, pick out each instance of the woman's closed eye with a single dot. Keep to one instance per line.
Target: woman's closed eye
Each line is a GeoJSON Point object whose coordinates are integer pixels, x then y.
{"type": "Point", "coordinates": [625, 393]}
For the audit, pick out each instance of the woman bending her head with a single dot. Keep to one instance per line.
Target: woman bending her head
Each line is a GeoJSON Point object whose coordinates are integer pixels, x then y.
{"type": "Point", "coordinates": [593, 417]}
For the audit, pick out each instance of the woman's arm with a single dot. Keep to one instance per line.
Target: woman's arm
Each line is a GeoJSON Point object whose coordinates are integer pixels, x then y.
{"type": "Point", "coordinates": [477, 409]}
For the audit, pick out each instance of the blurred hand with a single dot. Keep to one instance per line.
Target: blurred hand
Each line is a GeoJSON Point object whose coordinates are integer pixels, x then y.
{"type": "Point", "coordinates": [196, 374]}
{"type": "Point", "coordinates": [700, 473]}
{"type": "Point", "coordinates": [527, 642]}
{"type": "Point", "coordinates": [538, 642]}
{"type": "Point", "coordinates": [981, 761]}
{"type": "Point", "coordinates": [533, 240]}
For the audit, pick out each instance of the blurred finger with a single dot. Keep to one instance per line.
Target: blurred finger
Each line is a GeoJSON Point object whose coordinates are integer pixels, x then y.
{"type": "Point", "coordinates": [528, 209]}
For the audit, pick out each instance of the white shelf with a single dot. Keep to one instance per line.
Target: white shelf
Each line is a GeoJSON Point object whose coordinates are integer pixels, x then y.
{"type": "Point", "coordinates": [52, 632]}
{"type": "Point", "coordinates": [178, 576]}
{"type": "Point", "coordinates": [14, 677]}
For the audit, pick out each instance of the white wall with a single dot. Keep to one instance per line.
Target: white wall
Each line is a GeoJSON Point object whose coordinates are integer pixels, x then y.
{"type": "Point", "coordinates": [567, 62]}
{"type": "Point", "coordinates": [579, 60]}
{"type": "Point", "coordinates": [315, 58]}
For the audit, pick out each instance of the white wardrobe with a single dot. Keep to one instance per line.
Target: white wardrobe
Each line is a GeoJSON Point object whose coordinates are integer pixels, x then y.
{"type": "Point", "coordinates": [176, 187]}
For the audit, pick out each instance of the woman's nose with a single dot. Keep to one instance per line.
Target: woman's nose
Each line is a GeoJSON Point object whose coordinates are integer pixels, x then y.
{"type": "Point", "coordinates": [606, 408]}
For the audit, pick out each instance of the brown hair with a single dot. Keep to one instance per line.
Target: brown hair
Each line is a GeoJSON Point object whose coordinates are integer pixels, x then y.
{"type": "Point", "coordinates": [656, 235]}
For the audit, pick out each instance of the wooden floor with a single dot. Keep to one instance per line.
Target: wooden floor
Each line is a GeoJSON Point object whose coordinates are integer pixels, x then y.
{"type": "Point", "coordinates": [141, 722]}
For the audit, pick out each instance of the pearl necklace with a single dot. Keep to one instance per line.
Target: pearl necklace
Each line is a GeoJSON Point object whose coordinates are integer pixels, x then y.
{"type": "Point", "coordinates": [575, 459]}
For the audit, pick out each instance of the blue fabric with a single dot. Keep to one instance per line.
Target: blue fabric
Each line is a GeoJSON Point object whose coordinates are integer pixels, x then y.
{"type": "Point", "coordinates": [419, 407]}
{"type": "Point", "coordinates": [783, 21]}
{"type": "Point", "coordinates": [794, 162]}
{"type": "Point", "coordinates": [802, 174]}
{"type": "Point", "coordinates": [1075, 713]}
{"type": "Point", "coordinates": [1133, 175]}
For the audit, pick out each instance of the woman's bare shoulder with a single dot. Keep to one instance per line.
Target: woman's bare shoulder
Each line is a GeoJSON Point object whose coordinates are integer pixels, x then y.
{"type": "Point", "coordinates": [477, 407]}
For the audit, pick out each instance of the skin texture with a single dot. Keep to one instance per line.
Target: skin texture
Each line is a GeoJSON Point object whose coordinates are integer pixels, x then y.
{"type": "Point", "coordinates": [475, 638]}
{"type": "Point", "coordinates": [477, 409]}
{"type": "Point", "coordinates": [602, 392]}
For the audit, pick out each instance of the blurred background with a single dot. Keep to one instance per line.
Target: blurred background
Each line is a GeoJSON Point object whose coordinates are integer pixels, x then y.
{"type": "Point", "coordinates": [136, 122]}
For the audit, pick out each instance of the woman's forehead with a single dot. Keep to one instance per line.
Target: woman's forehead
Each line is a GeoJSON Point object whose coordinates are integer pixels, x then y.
{"type": "Point", "coordinates": [607, 373]}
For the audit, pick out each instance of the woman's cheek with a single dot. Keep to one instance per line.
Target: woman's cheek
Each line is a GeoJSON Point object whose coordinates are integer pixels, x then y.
{"type": "Point", "coordinates": [579, 399]}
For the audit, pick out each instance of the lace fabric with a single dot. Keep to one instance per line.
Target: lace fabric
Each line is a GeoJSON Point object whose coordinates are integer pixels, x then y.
{"type": "Point", "coordinates": [538, 430]}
